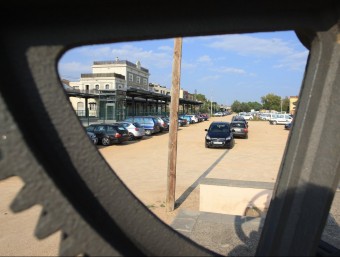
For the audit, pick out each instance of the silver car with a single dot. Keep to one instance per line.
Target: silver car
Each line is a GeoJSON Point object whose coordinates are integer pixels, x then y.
{"type": "Point", "coordinates": [136, 130]}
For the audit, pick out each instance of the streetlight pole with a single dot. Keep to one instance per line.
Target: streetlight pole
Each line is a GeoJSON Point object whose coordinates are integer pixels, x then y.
{"type": "Point", "coordinates": [281, 105]}
{"type": "Point", "coordinates": [210, 106]}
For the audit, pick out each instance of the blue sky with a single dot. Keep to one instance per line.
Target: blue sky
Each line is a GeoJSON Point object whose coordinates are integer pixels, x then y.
{"type": "Point", "coordinates": [224, 68]}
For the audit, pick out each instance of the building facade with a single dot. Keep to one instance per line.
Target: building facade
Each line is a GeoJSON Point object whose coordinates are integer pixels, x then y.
{"type": "Point", "coordinates": [292, 104]}
{"type": "Point", "coordinates": [117, 89]}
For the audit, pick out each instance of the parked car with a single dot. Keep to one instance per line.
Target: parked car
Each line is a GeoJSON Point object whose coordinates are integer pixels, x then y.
{"type": "Point", "coordinates": [218, 114]}
{"type": "Point", "coordinates": [289, 125]}
{"type": "Point", "coordinates": [182, 122]}
{"type": "Point", "coordinates": [150, 123]}
{"type": "Point", "coordinates": [108, 134]}
{"type": "Point", "coordinates": [187, 117]}
{"type": "Point", "coordinates": [219, 134]}
{"type": "Point", "coordinates": [167, 120]}
{"type": "Point", "coordinates": [247, 116]}
{"type": "Point", "coordinates": [267, 116]}
{"type": "Point", "coordinates": [136, 130]}
{"type": "Point", "coordinates": [239, 129]}
{"type": "Point", "coordinates": [200, 117]}
{"type": "Point", "coordinates": [194, 118]}
{"type": "Point", "coordinates": [163, 124]}
{"type": "Point", "coordinates": [205, 116]}
{"type": "Point", "coordinates": [281, 119]}
{"type": "Point", "coordinates": [239, 118]}
{"type": "Point", "coordinates": [92, 136]}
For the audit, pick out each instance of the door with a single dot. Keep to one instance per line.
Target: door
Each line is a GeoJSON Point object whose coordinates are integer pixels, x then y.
{"type": "Point", "coordinates": [110, 111]}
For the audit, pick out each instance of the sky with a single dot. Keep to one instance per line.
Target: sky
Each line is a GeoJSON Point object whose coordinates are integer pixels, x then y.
{"type": "Point", "coordinates": [224, 68]}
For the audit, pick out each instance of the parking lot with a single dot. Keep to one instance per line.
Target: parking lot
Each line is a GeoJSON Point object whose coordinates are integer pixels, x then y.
{"type": "Point", "coordinates": [142, 165]}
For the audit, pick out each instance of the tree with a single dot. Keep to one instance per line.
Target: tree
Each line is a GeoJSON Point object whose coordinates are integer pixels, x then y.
{"type": "Point", "coordinates": [245, 107]}
{"type": "Point", "coordinates": [200, 97]}
{"type": "Point", "coordinates": [285, 104]}
{"type": "Point", "coordinates": [236, 106]}
{"type": "Point", "coordinates": [271, 102]}
{"type": "Point", "coordinates": [255, 105]}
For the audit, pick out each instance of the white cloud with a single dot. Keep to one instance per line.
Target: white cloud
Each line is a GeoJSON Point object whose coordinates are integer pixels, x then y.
{"type": "Point", "coordinates": [296, 61]}
{"type": "Point", "coordinates": [204, 59]}
{"type": "Point", "coordinates": [247, 45]}
{"type": "Point", "coordinates": [149, 58]}
{"type": "Point", "coordinates": [250, 45]}
{"type": "Point", "coordinates": [231, 70]}
{"type": "Point", "coordinates": [166, 48]}
{"type": "Point", "coordinates": [73, 70]}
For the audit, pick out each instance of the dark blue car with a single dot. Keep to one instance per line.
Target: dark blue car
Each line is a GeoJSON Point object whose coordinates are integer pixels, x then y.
{"type": "Point", "coordinates": [219, 135]}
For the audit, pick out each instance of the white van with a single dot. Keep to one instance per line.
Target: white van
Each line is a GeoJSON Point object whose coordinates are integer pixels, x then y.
{"type": "Point", "coordinates": [267, 116]}
{"type": "Point", "coordinates": [281, 119]}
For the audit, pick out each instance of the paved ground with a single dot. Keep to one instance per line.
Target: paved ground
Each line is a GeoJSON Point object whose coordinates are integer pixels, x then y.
{"type": "Point", "coordinates": [142, 166]}
{"type": "Point", "coordinates": [255, 159]}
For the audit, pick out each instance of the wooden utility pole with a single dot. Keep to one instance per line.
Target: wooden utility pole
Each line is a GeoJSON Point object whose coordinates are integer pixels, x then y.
{"type": "Point", "coordinates": [174, 104]}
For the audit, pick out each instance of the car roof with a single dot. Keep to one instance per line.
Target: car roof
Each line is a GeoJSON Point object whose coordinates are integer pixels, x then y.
{"type": "Point", "coordinates": [105, 124]}
{"type": "Point", "coordinates": [220, 122]}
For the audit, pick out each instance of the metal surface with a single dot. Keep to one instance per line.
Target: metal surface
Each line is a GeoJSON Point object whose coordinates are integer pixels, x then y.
{"type": "Point", "coordinates": [82, 196]}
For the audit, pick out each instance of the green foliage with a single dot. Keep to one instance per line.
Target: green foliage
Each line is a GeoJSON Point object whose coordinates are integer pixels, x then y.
{"type": "Point", "coordinates": [200, 97]}
{"type": "Point", "coordinates": [255, 105]}
{"type": "Point", "coordinates": [271, 102]}
{"type": "Point", "coordinates": [245, 107]}
{"type": "Point", "coordinates": [285, 104]}
{"type": "Point", "coordinates": [275, 102]}
{"type": "Point", "coordinates": [236, 106]}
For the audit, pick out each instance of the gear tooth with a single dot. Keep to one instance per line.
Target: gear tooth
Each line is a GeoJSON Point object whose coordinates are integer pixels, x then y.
{"type": "Point", "coordinates": [47, 225]}
{"type": "Point", "coordinates": [24, 199]}
{"type": "Point", "coordinates": [68, 247]}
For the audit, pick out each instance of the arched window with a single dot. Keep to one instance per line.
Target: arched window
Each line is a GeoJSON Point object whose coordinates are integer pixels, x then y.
{"type": "Point", "coordinates": [80, 109]}
{"type": "Point", "coordinates": [107, 86]}
{"type": "Point", "coordinates": [80, 106]}
{"type": "Point", "coordinates": [97, 87]}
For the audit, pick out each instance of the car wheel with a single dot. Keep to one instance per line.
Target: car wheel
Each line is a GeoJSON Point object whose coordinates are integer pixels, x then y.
{"type": "Point", "coordinates": [131, 136]}
{"type": "Point", "coordinates": [232, 143]}
{"type": "Point", "coordinates": [105, 141]}
{"type": "Point", "coordinates": [148, 132]}
{"type": "Point", "coordinates": [274, 122]}
{"type": "Point", "coordinates": [246, 137]}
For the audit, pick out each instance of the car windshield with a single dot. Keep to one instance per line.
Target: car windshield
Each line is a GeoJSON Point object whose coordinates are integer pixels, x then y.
{"type": "Point", "coordinates": [99, 128]}
{"type": "Point", "coordinates": [90, 129]}
{"type": "Point", "coordinates": [137, 125]}
{"type": "Point", "coordinates": [219, 128]}
{"type": "Point", "coordinates": [238, 125]}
